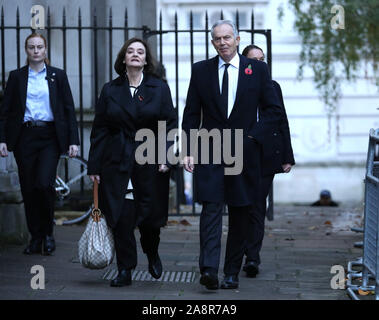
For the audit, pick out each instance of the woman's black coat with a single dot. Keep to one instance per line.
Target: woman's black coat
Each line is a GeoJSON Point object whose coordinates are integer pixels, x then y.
{"type": "Point", "coordinates": [112, 153]}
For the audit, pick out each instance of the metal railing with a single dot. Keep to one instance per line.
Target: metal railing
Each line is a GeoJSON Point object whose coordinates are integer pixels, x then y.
{"type": "Point", "coordinates": [369, 263]}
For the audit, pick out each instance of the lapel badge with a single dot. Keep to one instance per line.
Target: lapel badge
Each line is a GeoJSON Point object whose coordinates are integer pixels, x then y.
{"type": "Point", "coordinates": [51, 78]}
{"type": "Point", "coordinates": [249, 70]}
{"type": "Point", "coordinates": [140, 98]}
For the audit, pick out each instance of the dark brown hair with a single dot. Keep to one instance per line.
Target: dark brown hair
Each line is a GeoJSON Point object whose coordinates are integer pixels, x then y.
{"type": "Point", "coordinates": [150, 67]}
{"type": "Point", "coordinates": [36, 35]}
{"type": "Point", "coordinates": [246, 51]}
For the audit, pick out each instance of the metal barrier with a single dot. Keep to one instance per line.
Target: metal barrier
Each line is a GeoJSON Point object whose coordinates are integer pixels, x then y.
{"type": "Point", "coordinates": [370, 259]}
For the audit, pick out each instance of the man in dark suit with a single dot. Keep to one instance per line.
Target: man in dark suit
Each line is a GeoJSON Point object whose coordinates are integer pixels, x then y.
{"type": "Point", "coordinates": [224, 94]}
{"type": "Point", "coordinates": [277, 158]}
{"type": "Point", "coordinates": [37, 123]}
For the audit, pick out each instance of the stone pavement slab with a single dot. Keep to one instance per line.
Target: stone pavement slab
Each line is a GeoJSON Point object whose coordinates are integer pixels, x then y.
{"type": "Point", "coordinates": [300, 247]}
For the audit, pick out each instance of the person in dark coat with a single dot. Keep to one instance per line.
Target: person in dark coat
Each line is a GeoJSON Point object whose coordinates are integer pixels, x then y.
{"type": "Point", "coordinates": [277, 158]}
{"type": "Point", "coordinates": [224, 94]}
{"type": "Point", "coordinates": [37, 123]}
{"type": "Point", "coordinates": [325, 200]}
{"type": "Point", "coordinates": [136, 100]}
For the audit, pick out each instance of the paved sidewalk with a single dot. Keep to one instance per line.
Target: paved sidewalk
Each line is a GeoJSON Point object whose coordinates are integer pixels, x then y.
{"type": "Point", "coordinates": [300, 247]}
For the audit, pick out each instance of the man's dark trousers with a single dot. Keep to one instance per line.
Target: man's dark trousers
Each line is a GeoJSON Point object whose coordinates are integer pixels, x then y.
{"type": "Point", "coordinates": [210, 238]}
{"type": "Point", "coordinates": [257, 214]}
{"type": "Point", "coordinates": [37, 154]}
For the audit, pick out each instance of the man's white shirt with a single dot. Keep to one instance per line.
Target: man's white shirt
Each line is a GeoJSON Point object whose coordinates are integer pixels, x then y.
{"type": "Point", "coordinates": [233, 72]}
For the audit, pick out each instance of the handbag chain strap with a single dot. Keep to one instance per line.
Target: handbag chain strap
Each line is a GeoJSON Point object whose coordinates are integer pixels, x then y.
{"type": "Point", "coordinates": [96, 213]}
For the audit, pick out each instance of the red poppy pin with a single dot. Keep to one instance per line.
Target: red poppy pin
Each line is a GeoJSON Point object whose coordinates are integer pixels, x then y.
{"type": "Point", "coordinates": [140, 98]}
{"type": "Point", "coordinates": [249, 70]}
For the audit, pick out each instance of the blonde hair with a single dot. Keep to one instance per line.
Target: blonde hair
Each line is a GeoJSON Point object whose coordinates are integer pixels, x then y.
{"type": "Point", "coordinates": [36, 35]}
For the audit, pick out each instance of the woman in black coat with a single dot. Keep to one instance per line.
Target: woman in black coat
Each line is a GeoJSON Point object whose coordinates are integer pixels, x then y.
{"type": "Point", "coordinates": [136, 100]}
{"type": "Point", "coordinates": [37, 123]}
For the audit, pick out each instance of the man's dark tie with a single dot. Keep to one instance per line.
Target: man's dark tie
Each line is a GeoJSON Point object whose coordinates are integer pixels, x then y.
{"type": "Point", "coordinates": [224, 92]}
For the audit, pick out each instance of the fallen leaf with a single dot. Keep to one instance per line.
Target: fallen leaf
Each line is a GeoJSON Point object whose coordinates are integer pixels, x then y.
{"type": "Point", "coordinates": [171, 222]}
{"type": "Point", "coordinates": [328, 223]}
{"type": "Point", "coordinates": [185, 222]}
{"type": "Point", "coordinates": [365, 293]}
{"type": "Point", "coordinates": [313, 228]}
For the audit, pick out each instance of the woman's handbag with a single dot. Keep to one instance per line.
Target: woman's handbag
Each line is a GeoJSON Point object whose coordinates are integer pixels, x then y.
{"type": "Point", "coordinates": [96, 245]}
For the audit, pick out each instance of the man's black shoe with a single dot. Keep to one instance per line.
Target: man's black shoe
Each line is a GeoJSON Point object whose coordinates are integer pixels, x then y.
{"type": "Point", "coordinates": [35, 246]}
{"type": "Point", "coordinates": [48, 245]}
{"type": "Point", "coordinates": [209, 280]}
{"type": "Point", "coordinates": [124, 278]}
{"type": "Point", "coordinates": [230, 282]}
{"type": "Point", "coordinates": [155, 265]}
{"type": "Point", "coordinates": [251, 269]}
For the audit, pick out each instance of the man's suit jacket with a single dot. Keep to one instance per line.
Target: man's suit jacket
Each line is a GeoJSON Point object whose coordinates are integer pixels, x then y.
{"type": "Point", "coordinates": [112, 152]}
{"type": "Point", "coordinates": [277, 150]}
{"type": "Point", "coordinates": [204, 105]}
{"type": "Point", "coordinates": [62, 105]}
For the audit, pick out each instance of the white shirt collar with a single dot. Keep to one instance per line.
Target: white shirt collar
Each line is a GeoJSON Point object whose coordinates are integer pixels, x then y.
{"type": "Point", "coordinates": [43, 69]}
{"type": "Point", "coordinates": [139, 82]}
{"type": "Point", "coordinates": [235, 62]}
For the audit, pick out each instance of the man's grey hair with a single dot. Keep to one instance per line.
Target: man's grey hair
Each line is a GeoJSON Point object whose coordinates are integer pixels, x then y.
{"type": "Point", "coordinates": [228, 22]}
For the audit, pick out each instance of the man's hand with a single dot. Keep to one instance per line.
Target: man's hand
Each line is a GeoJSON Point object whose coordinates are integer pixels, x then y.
{"type": "Point", "coordinates": [93, 177]}
{"type": "Point", "coordinates": [73, 150]}
{"type": "Point", "coordinates": [163, 168]}
{"type": "Point", "coordinates": [286, 167]}
{"type": "Point", "coordinates": [3, 150]}
{"type": "Point", "coordinates": [188, 163]}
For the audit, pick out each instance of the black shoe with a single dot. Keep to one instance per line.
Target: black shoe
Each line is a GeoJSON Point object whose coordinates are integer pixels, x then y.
{"type": "Point", "coordinates": [230, 282]}
{"type": "Point", "coordinates": [48, 245]}
{"type": "Point", "coordinates": [209, 280]}
{"type": "Point", "coordinates": [155, 265]}
{"type": "Point", "coordinates": [124, 278]}
{"type": "Point", "coordinates": [35, 246]}
{"type": "Point", "coordinates": [251, 269]}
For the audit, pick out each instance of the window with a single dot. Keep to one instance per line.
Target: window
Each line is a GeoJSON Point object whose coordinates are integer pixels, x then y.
{"type": "Point", "coordinates": [214, 16]}
{"type": "Point", "coordinates": [243, 21]}
{"type": "Point", "coordinates": [258, 20]}
{"type": "Point", "coordinates": [197, 20]}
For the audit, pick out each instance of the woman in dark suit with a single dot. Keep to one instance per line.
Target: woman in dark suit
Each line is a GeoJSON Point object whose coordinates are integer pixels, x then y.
{"type": "Point", "coordinates": [277, 158]}
{"type": "Point", "coordinates": [137, 99]}
{"type": "Point", "coordinates": [37, 123]}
